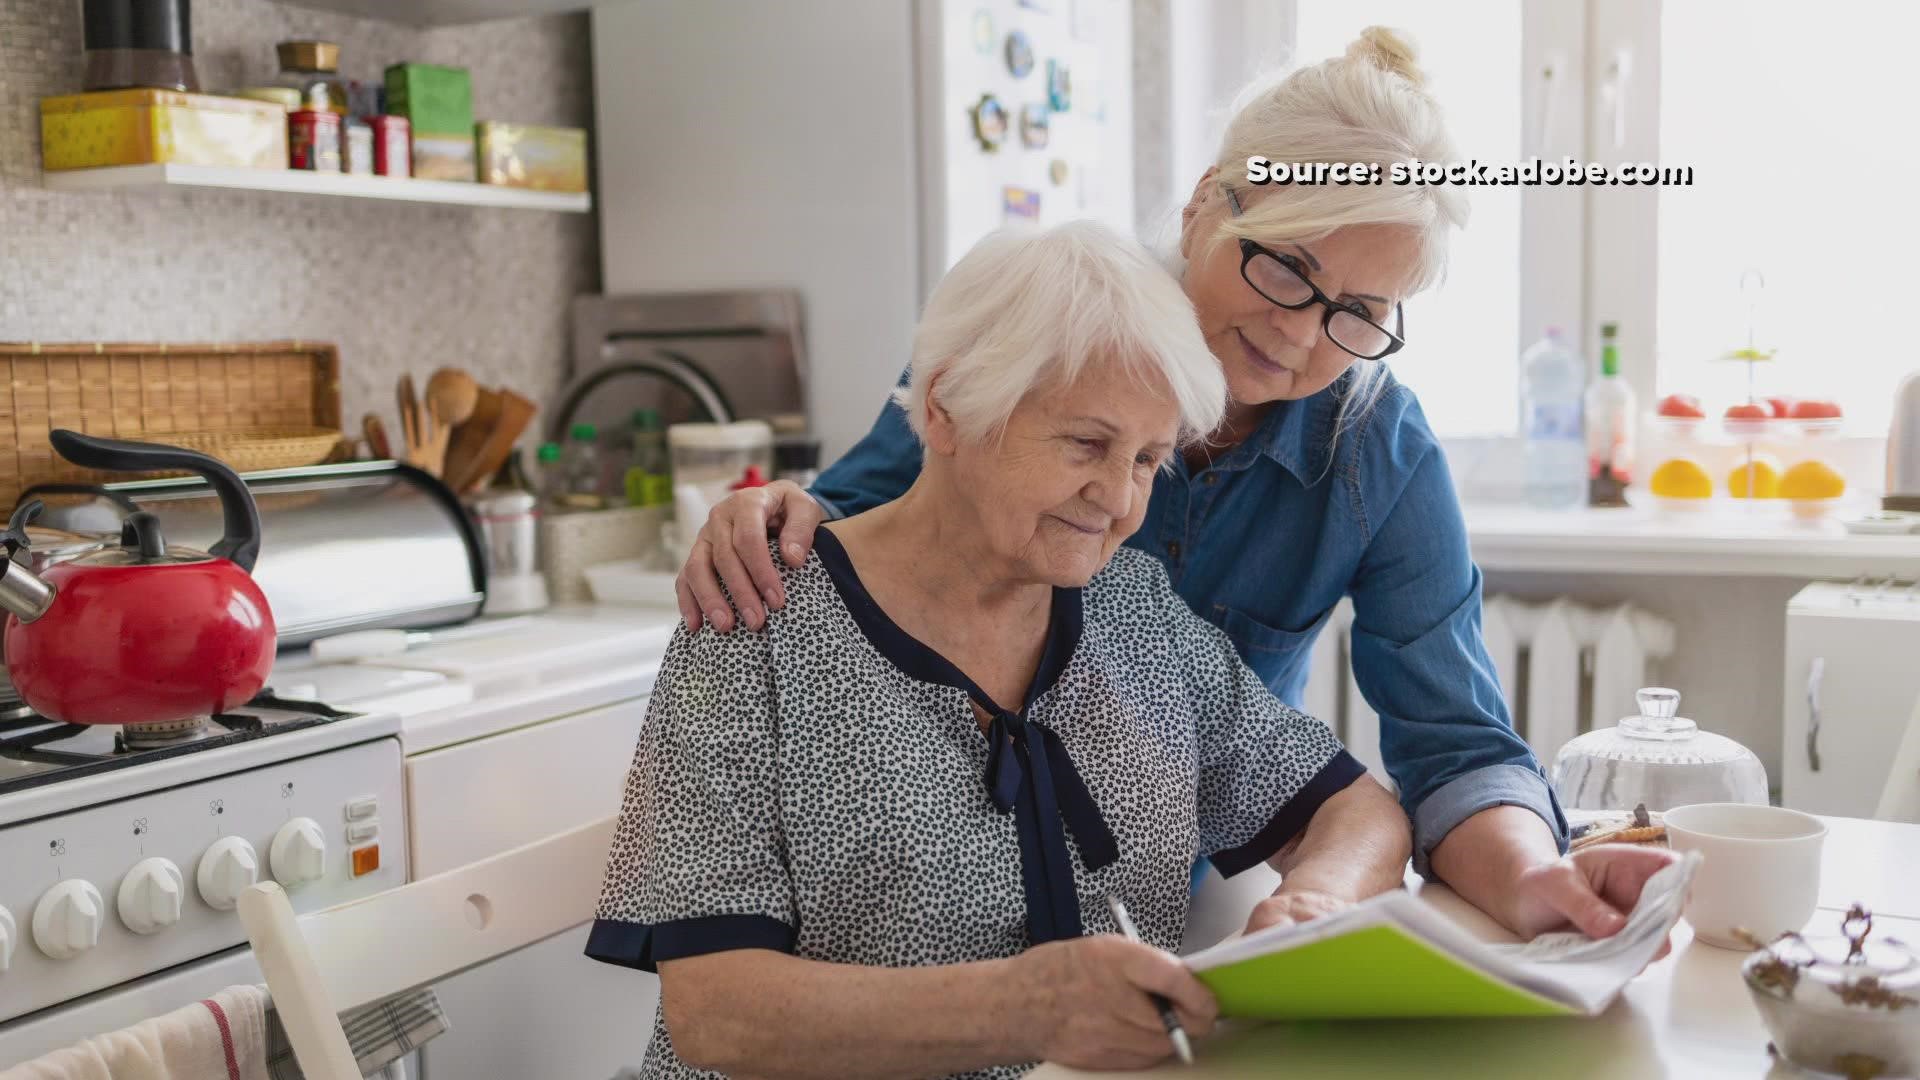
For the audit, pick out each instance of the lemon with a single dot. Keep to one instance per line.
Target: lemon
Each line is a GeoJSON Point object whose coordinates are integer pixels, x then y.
{"type": "Point", "coordinates": [1812, 480]}
{"type": "Point", "coordinates": [1681, 478]}
{"type": "Point", "coordinates": [1766, 479]}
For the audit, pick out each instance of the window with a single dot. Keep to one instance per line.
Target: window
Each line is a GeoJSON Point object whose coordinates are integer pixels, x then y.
{"type": "Point", "coordinates": [1793, 121]}
{"type": "Point", "coordinates": [1464, 337]}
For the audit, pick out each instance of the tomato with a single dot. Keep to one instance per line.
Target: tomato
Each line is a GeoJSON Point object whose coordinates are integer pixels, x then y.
{"type": "Point", "coordinates": [1814, 409]}
{"type": "Point", "coordinates": [1680, 405]}
{"type": "Point", "coordinates": [1749, 412]}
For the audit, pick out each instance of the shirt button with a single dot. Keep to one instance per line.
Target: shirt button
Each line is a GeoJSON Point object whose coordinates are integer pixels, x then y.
{"type": "Point", "coordinates": [1173, 548]}
{"type": "Point", "coordinates": [1212, 478]}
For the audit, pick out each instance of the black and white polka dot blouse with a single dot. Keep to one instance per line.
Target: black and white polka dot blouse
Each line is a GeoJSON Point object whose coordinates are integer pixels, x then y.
{"type": "Point", "coordinates": [824, 789]}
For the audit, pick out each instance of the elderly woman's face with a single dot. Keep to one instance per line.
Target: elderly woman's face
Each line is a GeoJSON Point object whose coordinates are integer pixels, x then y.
{"type": "Point", "coordinates": [1069, 479]}
{"type": "Point", "coordinates": [1268, 352]}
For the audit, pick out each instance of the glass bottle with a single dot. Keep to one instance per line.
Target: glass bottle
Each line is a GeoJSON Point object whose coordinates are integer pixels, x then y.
{"type": "Point", "coordinates": [1610, 431]}
{"type": "Point", "coordinates": [649, 479]}
{"type": "Point", "coordinates": [580, 468]}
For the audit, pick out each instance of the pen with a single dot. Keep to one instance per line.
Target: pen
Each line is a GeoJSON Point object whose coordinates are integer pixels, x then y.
{"type": "Point", "coordinates": [1182, 1047]}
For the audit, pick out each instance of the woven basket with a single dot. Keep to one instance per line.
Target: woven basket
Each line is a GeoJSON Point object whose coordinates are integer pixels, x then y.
{"type": "Point", "coordinates": [254, 406]}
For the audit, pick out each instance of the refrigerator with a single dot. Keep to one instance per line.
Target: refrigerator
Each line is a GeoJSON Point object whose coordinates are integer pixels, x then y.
{"type": "Point", "coordinates": [852, 150]}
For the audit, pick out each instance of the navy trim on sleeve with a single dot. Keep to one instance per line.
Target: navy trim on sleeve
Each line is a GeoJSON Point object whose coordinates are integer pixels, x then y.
{"type": "Point", "coordinates": [644, 945]}
{"type": "Point", "coordinates": [1333, 778]}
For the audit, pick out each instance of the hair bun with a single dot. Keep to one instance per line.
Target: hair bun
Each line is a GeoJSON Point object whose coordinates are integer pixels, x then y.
{"type": "Point", "coordinates": [1385, 49]}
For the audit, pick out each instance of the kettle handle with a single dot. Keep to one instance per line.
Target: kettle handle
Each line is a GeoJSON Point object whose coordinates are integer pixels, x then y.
{"type": "Point", "coordinates": [240, 519]}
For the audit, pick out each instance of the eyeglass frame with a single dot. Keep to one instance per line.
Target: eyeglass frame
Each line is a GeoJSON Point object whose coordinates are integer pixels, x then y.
{"type": "Point", "coordinates": [1249, 251]}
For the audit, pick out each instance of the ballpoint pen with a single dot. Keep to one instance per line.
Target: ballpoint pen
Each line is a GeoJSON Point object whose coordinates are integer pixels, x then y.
{"type": "Point", "coordinates": [1182, 1046]}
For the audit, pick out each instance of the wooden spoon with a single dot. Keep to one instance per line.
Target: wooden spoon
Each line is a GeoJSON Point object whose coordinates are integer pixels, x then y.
{"type": "Point", "coordinates": [409, 414]}
{"type": "Point", "coordinates": [454, 393]}
{"type": "Point", "coordinates": [376, 433]}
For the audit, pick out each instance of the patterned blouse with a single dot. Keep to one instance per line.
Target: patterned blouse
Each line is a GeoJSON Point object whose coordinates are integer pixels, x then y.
{"type": "Point", "coordinates": [824, 788]}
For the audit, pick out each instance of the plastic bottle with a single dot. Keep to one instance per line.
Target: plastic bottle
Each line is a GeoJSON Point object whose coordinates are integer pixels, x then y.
{"type": "Point", "coordinates": [648, 480]}
{"type": "Point", "coordinates": [553, 483]}
{"type": "Point", "coordinates": [1553, 379]}
{"type": "Point", "coordinates": [580, 467]}
{"type": "Point", "coordinates": [1610, 430]}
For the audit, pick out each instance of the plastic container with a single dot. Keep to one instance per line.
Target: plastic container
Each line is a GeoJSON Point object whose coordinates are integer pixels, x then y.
{"type": "Point", "coordinates": [713, 457]}
{"type": "Point", "coordinates": [580, 470]}
{"type": "Point", "coordinates": [1553, 383]}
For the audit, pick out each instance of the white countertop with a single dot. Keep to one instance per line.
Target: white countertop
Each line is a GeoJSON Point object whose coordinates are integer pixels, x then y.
{"type": "Point", "coordinates": [1686, 1017]}
{"type": "Point", "coordinates": [1764, 542]}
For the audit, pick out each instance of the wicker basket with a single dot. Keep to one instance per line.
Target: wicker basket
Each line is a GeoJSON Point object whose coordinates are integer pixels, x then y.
{"type": "Point", "coordinates": [569, 543]}
{"type": "Point", "coordinates": [254, 406]}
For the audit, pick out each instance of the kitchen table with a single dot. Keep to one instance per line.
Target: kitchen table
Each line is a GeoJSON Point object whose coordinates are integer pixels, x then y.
{"type": "Point", "coordinates": [1686, 1017]}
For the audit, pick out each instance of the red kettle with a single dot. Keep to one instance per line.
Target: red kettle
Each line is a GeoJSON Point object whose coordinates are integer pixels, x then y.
{"type": "Point", "coordinates": [144, 633]}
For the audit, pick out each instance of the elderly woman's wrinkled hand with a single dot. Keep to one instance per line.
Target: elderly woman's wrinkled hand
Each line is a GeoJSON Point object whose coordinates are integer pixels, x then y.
{"type": "Point", "coordinates": [1286, 908]}
{"type": "Point", "coordinates": [732, 548]}
{"type": "Point", "coordinates": [1089, 1002]}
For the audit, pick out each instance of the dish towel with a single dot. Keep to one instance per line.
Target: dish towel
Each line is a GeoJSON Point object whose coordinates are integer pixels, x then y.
{"type": "Point", "coordinates": [221, 1038]}
{"type": "Point", "coordinates": [378, 1034]}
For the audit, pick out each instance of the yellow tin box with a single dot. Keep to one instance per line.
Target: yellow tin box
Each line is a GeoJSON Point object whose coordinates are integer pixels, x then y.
{"type": "Point", "coordinates": [526, 156]}
{"type": "Point", "coordinates": [141, 127]}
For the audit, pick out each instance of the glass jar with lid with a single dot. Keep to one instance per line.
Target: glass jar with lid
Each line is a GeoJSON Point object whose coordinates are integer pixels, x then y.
{"type": "Point", "coordinates": [1845, 1005]}
{"type": "Point", "coordinates": [313, 68]}
{"type": "Point", "coordinates": [1658, 759]}
{"type": "Point", "coordinates": [713, 457]}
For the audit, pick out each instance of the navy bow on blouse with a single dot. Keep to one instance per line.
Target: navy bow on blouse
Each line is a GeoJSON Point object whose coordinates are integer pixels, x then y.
{"type": "Point", "coordinates": [1030, 775]}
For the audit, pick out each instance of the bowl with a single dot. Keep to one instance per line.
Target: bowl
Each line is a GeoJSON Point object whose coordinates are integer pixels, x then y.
{"type": "Point", "coordinates": [1842, 1006]}
{"type": "Point", "coordinates": [1814, 509]}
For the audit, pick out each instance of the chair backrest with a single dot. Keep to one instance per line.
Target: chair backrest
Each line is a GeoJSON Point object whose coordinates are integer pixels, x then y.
{"type": "Point", "coordinates": [326, 962]}
{"type": "Point", "coordinates": [1900, 799]}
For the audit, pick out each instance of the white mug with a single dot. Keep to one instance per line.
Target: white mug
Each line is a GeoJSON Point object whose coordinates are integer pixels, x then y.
{"type": "Point", "coordinates": [1762, 869]}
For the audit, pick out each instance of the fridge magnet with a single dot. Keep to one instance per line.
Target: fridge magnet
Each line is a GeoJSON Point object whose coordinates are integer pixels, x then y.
{"type": "Point", "coordinates": [1019, 54]}
{"type": "Point", "coordinates": [983, 35]}
{"type": "Point", "coordinates": [1020, 203]}
{"type": "Point", "coordinates": [1035, 124]}
{"type": "Point", "coordinates": [990, 123]}
{"type": "Point", "coordinates": [1057, 172]}
{"type": "Point", "coordinates": [1059, 87]}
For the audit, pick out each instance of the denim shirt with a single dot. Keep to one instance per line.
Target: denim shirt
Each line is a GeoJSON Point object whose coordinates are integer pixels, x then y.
{"type": "Point", "coordinates": [1267, 539]}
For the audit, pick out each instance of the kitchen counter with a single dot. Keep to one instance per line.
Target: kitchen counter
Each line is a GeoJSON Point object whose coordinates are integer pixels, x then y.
{"type": "Point", "coordinates": [1687, 1016]}
{"type": "Point", "coordinates": [1766, 542]}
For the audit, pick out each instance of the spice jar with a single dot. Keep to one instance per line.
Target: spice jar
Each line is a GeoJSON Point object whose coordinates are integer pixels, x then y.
{"type": "Point", "coordinates": [313, 68]}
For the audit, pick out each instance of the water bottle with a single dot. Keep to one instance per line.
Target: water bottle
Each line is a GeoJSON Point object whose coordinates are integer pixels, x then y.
{"type": "Point", "coordinates": [1552, 388]}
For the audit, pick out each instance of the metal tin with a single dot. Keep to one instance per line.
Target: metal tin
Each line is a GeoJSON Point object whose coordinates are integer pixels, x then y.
{"type": "Point", "coordinates": [309, 56]}
{"type": "Point", "coordinates": [314, 140]}
{"type": "Point", "coordinates": [392, 145]}
{"type": "Point", "coordinates": [359, 147]}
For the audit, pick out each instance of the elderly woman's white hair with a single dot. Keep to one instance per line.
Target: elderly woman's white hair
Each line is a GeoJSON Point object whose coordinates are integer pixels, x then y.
{"type": "Point", "coordinates": [1031, 308]}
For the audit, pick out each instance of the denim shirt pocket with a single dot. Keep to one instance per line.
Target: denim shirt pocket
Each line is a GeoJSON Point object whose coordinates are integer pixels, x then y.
{"type": "Point", "coordinates": [1277, 656]}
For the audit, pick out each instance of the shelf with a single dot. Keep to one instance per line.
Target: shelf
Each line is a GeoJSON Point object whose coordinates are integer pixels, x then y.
{"type": "Point", "coordinates": [1637, 540]}
{"type": "Point", "coordinates": [302, 182]}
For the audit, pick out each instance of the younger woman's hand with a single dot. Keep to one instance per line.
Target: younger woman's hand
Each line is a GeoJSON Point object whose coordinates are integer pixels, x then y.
{"type": "Point", "coordinates": [732, 547]}
{"type": "Point", "coordinates": [1090, 1006]}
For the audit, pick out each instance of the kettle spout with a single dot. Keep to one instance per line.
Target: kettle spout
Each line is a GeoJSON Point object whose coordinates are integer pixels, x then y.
{"type": "Point", "coordinates": [24, 593]}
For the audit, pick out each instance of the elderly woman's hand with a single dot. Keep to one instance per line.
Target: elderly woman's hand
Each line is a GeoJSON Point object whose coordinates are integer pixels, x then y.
{"type": "Point", "coordinates": [1088, 1000]}
{"type": "Point", "coordinates": [732, 547]}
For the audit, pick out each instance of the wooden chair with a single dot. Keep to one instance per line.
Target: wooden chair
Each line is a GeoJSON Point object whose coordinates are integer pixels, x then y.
{"type": "Point", "coordinates": [323, 963]}
{"type": "Point", "coordinates": [1900, 799]}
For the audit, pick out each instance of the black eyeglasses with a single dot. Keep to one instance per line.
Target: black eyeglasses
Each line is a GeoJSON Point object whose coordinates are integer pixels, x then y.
{"type": "Point", "coordinates": [1283, 282]}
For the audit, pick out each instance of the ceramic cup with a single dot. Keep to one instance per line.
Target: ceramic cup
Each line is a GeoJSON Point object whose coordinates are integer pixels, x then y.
{"type": "Point", "coordinates": [1762, 869]}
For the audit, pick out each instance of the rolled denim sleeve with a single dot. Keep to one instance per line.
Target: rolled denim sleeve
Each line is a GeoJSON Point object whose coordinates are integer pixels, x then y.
{"type": "Point", "coordinates": [1420, 660]}
{"type": "Point", "coordinates": [879, 469]}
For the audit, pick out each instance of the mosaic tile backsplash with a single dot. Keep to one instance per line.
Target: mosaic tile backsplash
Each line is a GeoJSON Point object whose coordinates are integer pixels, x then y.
{"type": "Point", "coordinates": [398, 286]}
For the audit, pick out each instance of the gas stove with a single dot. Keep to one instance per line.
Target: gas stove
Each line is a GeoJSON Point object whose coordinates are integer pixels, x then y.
{"type": "Point", "coordinates": [123, 859]}
{"type": "Point", "coordinates": [36, 751]}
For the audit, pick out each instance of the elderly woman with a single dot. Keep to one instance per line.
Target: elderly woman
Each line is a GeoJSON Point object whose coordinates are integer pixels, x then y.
{"type": "Point", "coordinates": [878, 835]}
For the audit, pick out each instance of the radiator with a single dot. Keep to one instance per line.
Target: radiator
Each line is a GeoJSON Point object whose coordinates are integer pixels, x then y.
{"type": "Point", "coordinates": [1563, 667]}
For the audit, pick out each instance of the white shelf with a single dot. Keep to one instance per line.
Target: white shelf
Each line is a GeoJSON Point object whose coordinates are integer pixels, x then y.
{"type": "Point", "coordinates": [302, 182]}
{"type": "Point", "coordinates": [1637, 540]}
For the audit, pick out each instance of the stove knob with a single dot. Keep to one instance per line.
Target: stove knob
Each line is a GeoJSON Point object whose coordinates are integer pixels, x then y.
{"type": "Point", "coordinates": [150, 896]}
{"type": "Point", "coordinates": [299, 853]}
{"type": "Point", "coordinates": [7, 939]}
{"type": "Point", "coordinates": [66, 921]}
{"type": "Point", "coordinates": [227, 868]}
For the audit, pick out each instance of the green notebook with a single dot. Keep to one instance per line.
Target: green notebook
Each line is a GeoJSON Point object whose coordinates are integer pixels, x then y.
{"type": "Point", "coordinates": [1394, 956]}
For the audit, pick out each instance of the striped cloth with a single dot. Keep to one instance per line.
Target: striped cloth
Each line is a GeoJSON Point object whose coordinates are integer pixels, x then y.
{"type": "Point", "coordinates": [379, 1034]}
